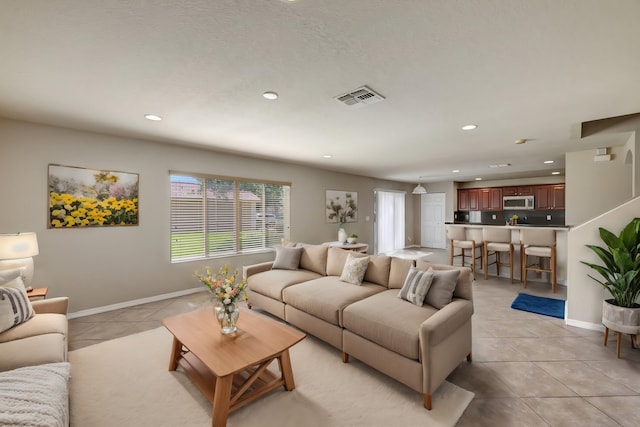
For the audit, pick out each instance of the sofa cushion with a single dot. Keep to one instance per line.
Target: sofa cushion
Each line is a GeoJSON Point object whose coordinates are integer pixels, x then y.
{"type": "Point", "coordinates": [15, 307]}
{"type": "Point", "coordinates": [43, 323]}
{"type": "Point", "coordinates": [378, 270]}
{"type": "Point", "coordinates": [271, 283]}
{"type": "Point", "coordinates": [287, 258]}
{"type": "Point", "coordinates": [388, 321]}
{"type": "Point", "coordinates": [326, 297]}
{"type": "Point", "coordinates": [314, 258]}
{"type": "Point", "coordinates": [354, 269]}
{"type": "Point", "coordinates": [465, 280]}
{"type": "Point", "coordinates": [336, 258]}
{"type": "Point", "coordinates": [398, 272]}
{"type": "Point", "coordinates": [442, 287]}
{"type": "Point", "coordinates": [416, 286]}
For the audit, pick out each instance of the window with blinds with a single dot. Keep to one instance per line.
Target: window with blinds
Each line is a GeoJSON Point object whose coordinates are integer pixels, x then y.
{"type": "Point", "coordinates": [221, 216]}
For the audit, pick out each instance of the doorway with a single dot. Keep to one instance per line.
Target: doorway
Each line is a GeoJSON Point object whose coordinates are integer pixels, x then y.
{"type": "Point", "coordinates": [432, 216]}
{"type": "Point", "coordinates": [388, 221]}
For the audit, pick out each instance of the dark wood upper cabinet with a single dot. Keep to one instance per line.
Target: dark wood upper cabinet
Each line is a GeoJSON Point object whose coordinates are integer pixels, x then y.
{"type": "Point", "coordinates": [549, 197]}
{"type": "Point", "coordinates": [463, 200]}
{"type": "Point", "coordinates": [474, 199]}
{"type": "Point", "coordinates": [546, 197]}
{"type": "Point", "coordinates": [525, 190]}
{"type": "Point", "coordinates": [490, 199]}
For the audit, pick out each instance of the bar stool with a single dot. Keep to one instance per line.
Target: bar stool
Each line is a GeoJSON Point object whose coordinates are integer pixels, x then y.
{"type": "Point", "coordinates": [496, 241]}
{"type": "Point", "coordinates": [460, 237]}
{"type": "Point", "coordinates": [541, 244]}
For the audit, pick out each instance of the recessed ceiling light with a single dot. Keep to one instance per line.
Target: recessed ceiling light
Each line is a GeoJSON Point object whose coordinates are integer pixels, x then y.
{"type": "Point", "coordinates": [478, 179]}
{"type": "Point", "coordinates": [152, 117]}
{"type": "Point", "coordinates": [456, 171]}
{"type": "Point", "coordinates": [555, 173]}
{"type": "Point", "coordinates": [469, 127]}
{"type": "Point", "coordinates": [327, 156]}
{"type": "Point", "coordinates": [548, 161]}
{"type": "Point", "coordinates": [270, 95]}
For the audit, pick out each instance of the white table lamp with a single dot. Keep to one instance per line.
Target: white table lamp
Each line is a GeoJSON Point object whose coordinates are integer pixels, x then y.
{"type": "Point", "coordinates": [16, 251]}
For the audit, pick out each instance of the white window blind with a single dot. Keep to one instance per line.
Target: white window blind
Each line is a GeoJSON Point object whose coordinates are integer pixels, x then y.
{"type": "Point", "coordinates": [214, 216]}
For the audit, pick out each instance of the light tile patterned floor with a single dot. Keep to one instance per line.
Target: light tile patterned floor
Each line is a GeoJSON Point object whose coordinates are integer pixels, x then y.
{"type": "Point", "coordinates": [527, 369]}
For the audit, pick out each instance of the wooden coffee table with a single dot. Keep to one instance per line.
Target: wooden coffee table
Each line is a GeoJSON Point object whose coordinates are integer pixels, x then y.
{"type": "Point", "coordinates": [231, 370]}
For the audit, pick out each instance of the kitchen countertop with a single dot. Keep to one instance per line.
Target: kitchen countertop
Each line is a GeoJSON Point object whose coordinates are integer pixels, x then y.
{"type": "Point", "coordinates": [515, 227]}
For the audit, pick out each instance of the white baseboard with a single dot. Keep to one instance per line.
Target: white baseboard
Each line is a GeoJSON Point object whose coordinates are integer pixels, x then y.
{"type": "Point", "coordinates": [584, 325]}
{"type": "Point", "coordinates": [126, 304]}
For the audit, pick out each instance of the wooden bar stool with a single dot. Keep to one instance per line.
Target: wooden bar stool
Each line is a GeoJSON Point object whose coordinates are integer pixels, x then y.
{"type": "Point", "coordinates": [459, 237]}
{"type": "Point", "coordinates": [496, 241]}
{"type": "Point", "coordinates": [542, 244]}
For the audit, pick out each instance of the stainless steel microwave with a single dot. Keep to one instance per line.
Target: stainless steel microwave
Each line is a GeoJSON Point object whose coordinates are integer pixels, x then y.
{"type": "Point", "coordinates": [517, 202]}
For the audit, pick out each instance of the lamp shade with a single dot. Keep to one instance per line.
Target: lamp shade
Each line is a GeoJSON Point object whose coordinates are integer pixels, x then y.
{"type": "Point", "coordinates": [419, 190]}
{"type": "Point", "coordinates": [16, 246]}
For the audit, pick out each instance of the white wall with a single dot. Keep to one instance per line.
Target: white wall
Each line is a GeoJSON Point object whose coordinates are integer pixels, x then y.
{"type": "Point", "coordinates": [596, 187]}
{"type": "Point", "coordinates": [96, 267]}
{"type": "Point", "coordinates": [585, 295]}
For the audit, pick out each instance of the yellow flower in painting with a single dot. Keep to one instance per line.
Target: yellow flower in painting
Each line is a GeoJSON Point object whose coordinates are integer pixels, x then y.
{"type": "Point", "coordinates": [56, 223]}
{"type": "Point", "coordinates": [69, 220]}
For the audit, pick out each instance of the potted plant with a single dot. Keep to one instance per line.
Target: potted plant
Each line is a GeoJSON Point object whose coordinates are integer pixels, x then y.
{"type": "Point", "coordinates": [621, 277]}
{"type": "Point", "coordinates": [352, 238]}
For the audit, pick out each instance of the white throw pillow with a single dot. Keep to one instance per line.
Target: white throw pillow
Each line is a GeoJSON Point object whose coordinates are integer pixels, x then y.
{"type": "Point", "coordinates": [416, 285]}
{"type": "Point", "coordinates": [354, 269]}
{"type": "Point", "coordinates": [15, 307]}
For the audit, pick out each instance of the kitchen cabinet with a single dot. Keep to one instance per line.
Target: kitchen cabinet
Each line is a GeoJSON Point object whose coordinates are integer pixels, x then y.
{"type": "Point", "coordinates": [525, 190]}
{"type": "Point", "coordinates": [474, 199]}
{"type": "Point", "coordinates": [549, 197]}
{"type": "Point", "coordinates": [490, 199]}
{"type": "Point", "coordinates": [463, 200]}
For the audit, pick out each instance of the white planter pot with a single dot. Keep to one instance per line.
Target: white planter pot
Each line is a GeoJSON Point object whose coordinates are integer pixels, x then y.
{"type": "Point", "coordinates": [351, 239]}
{"type": "Point", "coordinates": [621, 319]}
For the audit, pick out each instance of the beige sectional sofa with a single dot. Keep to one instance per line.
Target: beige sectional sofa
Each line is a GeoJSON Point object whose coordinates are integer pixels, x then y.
{"type": "Point", "coordinates": [418, 345]}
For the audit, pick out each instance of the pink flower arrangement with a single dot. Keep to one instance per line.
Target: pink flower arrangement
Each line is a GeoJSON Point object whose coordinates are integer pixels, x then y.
{"type": "Point", "coordinates": [226, 288]}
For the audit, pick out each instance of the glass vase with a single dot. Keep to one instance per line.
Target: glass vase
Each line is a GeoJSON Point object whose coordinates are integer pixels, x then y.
{"type": "Point", "coordinates": [227, 315]}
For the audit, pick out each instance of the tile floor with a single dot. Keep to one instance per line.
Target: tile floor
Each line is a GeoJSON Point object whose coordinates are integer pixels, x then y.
{"type": "Point", "coordinates": [527, 369]}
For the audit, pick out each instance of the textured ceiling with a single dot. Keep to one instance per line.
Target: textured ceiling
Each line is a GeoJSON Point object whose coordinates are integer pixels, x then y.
{"type": "Point", "coordinates": [518, 69]}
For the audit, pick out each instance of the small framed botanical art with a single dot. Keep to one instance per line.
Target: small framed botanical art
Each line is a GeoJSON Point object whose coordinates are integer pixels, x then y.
{"type": "Point", "coordinates": [80, 197]}
{"type": "Point", "coordinates": [341, 206]}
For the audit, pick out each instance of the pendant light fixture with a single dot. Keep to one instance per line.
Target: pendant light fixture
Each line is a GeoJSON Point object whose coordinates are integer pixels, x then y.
{"type": "Point", "coordinates": [419, 189]}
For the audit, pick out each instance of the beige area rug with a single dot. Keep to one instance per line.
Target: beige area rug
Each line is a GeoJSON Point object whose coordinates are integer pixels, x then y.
{"type": "Point", "coordinates": [125, 382]}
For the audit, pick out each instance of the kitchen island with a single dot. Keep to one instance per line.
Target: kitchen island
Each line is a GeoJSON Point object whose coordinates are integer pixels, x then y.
{"type": "Point", "coordinates": [475, 233]}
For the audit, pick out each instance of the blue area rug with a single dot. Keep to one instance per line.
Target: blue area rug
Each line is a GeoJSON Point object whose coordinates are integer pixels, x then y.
{"type": "Point", "coordinates": [539, 305]}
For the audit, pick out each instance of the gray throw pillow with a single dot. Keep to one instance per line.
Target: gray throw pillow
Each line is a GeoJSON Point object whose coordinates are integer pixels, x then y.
{"type": "Point", "coordinates": [416, 285]}
{"type": "Point", "coordinates": [287, 258]}
{"type": "Point", "coordinates": [441, 290]}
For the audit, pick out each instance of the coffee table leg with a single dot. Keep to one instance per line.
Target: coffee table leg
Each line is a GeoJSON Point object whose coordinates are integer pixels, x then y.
{"type": "Point", "coordinates": [287, 372]}
{"type": "Point", "coordinates": [175, 354]}
{"type": "Point", "coordinates": [221, 398]}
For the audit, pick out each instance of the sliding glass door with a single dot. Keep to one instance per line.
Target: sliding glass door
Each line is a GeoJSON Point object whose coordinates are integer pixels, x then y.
{"type": "Point", "coordinates": [388, 220]}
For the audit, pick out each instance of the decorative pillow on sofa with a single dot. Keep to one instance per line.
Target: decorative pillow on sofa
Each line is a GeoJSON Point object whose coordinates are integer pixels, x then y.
{"type": "Point", "coordinates": [354, 269]}
{"type": "Point", "coordinates": [287, 258]}
{"type": "Point", "coordinates": [15, 307]}
{"type": "Point", "coordinates": [441, 290]}
{"type": "Point", "coordinates": [416, 285]}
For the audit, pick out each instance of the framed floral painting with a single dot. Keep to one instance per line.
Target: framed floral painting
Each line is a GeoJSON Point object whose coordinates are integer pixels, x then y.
{"type": "Point", "coordinates": [80, 197]}
{"type": "Point", "coordinates": [341, 206]}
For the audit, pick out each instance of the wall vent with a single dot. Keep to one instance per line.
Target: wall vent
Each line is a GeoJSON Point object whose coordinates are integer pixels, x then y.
{"type": "Point", "coordinates": [360, 97]}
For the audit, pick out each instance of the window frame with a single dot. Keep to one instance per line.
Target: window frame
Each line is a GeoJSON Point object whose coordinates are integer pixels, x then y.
{"type": "Point", "coordinates": [202, 250]}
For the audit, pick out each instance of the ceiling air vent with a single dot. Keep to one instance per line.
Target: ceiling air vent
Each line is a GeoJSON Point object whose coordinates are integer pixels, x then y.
{"type": "Point", "coordinates": [360, 97]}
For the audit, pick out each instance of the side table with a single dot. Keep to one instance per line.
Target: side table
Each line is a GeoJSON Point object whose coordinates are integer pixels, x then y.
{"type": "Point", "coordinates": [357, 247]}
{"type": "Point", "coordinates": [37, 293]}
